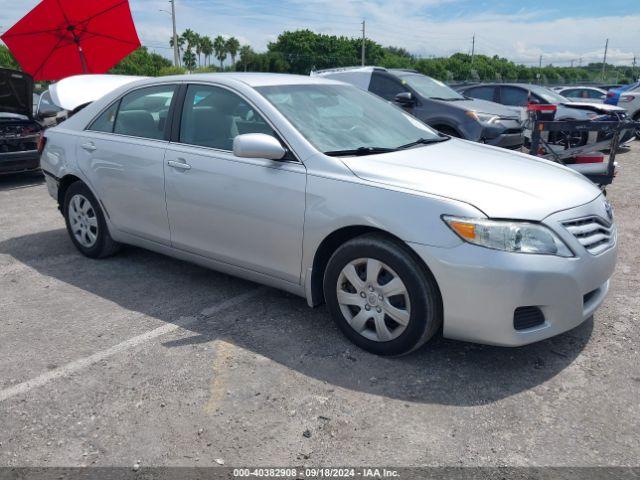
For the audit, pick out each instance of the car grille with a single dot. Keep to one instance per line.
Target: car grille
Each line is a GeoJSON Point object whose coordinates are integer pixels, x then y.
{"type": "Point", "coordinates": [593, 233]}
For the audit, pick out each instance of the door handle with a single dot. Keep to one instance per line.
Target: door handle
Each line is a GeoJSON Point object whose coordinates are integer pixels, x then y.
{"type": "Point", "coordinates": [180, 165]}
{"type": "Point", "coordinates": [89, 146]}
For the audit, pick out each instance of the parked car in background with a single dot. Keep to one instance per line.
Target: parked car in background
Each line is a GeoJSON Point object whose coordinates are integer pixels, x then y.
{"type": "Point", "coordinates": [328, 192]}
{"type": "Point", "coordinates": [578, 93]}
{"type": "Point", "coordinates": [19, 131]}
{"type": "Point", "coordinates": [436, 104]}
{"type": "Point", "coordinates": [613, 95]}
{"type": "Point", "coordinates": [521, 95]}
{"type": "Point", "coordinates": [630, 100]}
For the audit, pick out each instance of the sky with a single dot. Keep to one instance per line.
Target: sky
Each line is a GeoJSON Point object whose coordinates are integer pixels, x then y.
{"type": "Point", "coordinates": [561, 31]}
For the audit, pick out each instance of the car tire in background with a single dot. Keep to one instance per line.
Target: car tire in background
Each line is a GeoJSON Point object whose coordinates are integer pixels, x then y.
{"type": "Point", "coordinates": [381, 296]}
{"type": "Point", "coordinates": [86, 224]}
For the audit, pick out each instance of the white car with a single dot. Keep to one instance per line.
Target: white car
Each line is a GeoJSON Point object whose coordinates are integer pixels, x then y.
{"type": "Point", "coordinates": [331, 193]}
{"type": "Point", "coordinates": [630, 101]}
{"type": "Point", "coordinates": [582, 94]}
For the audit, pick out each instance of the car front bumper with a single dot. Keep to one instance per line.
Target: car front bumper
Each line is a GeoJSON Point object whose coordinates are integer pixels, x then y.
{"type": "Point", "coordinates": [16, 162]}
{"type": "Point", "coordinates": [482, 288]}
{"type": "Point", "coordinates": [506, 135]}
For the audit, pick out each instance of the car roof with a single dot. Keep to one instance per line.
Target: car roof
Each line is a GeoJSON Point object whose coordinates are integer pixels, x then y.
{"type": "Point", "coordinates": [253, 79]}
{"type": "Point", "coordinates": [580, 86]}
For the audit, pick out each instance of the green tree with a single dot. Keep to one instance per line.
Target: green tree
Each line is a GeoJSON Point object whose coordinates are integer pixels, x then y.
{"type": "Point", "coordinates": [220, 49]}
{"type": "Point", "coordinates": [180, 42]}
{"type": "Point", "coordinates": [246, 56]}
{"type": "Point", "coordinates": [207, 48]}
{"type": "Point", "coordinates": [189, 59]}
{"type": "Point", "coordinates": [6, 59]}
{"type": "Point", "coordinates": [232, 47]}
{"type": "Point", "coordinates": [198, 47]}
{"type": "Point", "coordinates": [141, 62]}
{"type": "Point", "coordinates": [190, 37]}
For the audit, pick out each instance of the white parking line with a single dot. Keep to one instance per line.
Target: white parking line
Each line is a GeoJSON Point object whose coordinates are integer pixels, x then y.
{"type": "Point", "coordinates": [81, 363]}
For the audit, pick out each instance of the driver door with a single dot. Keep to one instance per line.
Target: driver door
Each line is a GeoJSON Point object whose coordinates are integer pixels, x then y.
{"type": "Point", "coordinates": [248, 212]}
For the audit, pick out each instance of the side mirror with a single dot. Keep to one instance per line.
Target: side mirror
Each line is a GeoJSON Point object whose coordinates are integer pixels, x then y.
{"type": "Point", "coordinates": [258, 145]}
{"type": "Point", "coordinates": [405, 99]}
{"type": "Point", "coordinates": [46, 113]}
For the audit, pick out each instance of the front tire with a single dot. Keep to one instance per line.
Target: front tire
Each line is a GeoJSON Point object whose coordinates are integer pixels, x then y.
{"type": "Point", "coordinates": [86, 224]}
{"type": "Point", "coordinates": [381, 297]}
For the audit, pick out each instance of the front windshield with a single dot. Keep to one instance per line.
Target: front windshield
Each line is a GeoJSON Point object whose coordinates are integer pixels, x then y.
{"type": "Point", "coordinates": [548, 95]}
{"type": "Point", "coordinates": [341, 117]}
{"type": "Point", "coordinates": [430, 88]}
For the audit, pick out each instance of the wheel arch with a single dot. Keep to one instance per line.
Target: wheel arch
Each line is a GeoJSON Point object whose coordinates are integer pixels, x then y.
{"type": "Point", "coordinates": [63, 186]}
{"type": "Point", "coordinates": [332, 242]}
{"type": "Point", "coordinates": [448, 129]}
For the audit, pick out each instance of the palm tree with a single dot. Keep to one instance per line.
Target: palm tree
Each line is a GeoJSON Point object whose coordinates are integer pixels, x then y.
{"type": "Point", "coordinates": [189, 60]}
{"type": "Point", "coordinates": [232, 47]}
{"type": "Point", "coordinates": [190, 37]}
{"type": "Point", "coordinates": [180, 45]}
{"type": "Point", "coordinates": [220, 49]}
{"type": "Point", "coordinates": [245, 55]}
{"type": "Point", "coordinates": [207, 48]}
{"type": "Point", "coordinates": [198, 46]}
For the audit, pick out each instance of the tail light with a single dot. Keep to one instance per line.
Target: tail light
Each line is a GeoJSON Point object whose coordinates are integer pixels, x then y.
{"type": "Point", "coordinates": [610, 94]}
{"type": "Point", "coordinates": [42, 142]}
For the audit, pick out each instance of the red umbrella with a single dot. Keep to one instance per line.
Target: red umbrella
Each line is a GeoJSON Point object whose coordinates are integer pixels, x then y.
{"type": "Point", "coordinates": [59, 38]}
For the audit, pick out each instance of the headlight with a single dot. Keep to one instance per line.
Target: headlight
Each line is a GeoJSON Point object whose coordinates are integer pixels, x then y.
{"type": "Point", "coordinates": [519, 237]}
{"type": "Point", "coordinates": [483, 117]}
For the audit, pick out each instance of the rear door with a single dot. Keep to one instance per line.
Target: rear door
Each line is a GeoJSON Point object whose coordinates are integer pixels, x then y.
{"type": "Point", "coordinates": [248, 212]}
{"type": "Point", "coordinates": [122, 155]}
{"type": "Point", "coordinates": [485, 92]}
{"type": "Point", "coordinates": [514, 96]}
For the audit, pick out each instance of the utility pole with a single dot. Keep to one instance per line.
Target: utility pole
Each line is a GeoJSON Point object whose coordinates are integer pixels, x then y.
{"type": "Point", "coordinates": [176, 52]}
{"type": "Point", "coordinates": [363, 41]}
{"type": "Point", "coordinates": [473, 47]}
{"type": "Point", "coordinates": [604, 60]}
{"type": "Point", "coordinates": [540, 62]}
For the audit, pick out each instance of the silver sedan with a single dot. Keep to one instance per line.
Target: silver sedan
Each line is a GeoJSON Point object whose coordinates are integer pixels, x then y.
{"type": "Point", "coordinates": [329, 192]}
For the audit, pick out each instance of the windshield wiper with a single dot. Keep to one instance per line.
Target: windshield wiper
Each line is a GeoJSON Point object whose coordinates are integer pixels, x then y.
{"type": "Point", "coordinates": [360, 151]}
{"type": "Point", "coordinates": [423, 141]}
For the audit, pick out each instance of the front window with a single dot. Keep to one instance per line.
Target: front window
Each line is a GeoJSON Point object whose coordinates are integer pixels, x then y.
{"type": "Point", "coordinates": [547, 95]}
{"type": "Point", "coordinates": [341, 117]}
{"type": "Point", "coordinates": [213, 116]}
{"type": "Point", "coordinates": [431, 88]}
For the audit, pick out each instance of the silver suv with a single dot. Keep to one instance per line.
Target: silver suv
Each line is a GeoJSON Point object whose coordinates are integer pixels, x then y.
{"type": "Point", "coordinates": [329, 192]}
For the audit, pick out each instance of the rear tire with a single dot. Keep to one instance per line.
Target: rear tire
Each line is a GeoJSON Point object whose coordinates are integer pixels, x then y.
{"type": "Point", "coordinates": [381, 297]}
{"type": "Point", "coordinates": [85, 222]}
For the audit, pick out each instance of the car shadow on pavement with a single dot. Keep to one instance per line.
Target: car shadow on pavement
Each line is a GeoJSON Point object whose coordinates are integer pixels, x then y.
{"type": "Point", "coordinates": [20, 180]}
{"type": "Point", "coordinates": [281, 327]}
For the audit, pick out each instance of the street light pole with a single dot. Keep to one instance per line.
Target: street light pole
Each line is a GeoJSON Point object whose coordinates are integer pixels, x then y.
{"type": "Point", "coordinates": [176, 54]}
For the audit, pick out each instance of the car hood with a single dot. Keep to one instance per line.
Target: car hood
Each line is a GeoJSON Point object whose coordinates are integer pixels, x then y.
{"type": "Point", "coordinates": [16, 92]}
{"type": "Point", "coordinates": [73, 92]}
{"type": "Point", "coordinates": [483, 106]}
{"type": "Point", "coordinates": [501, 183]}
{"type": "Point", "coordinates": [594, 107]}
